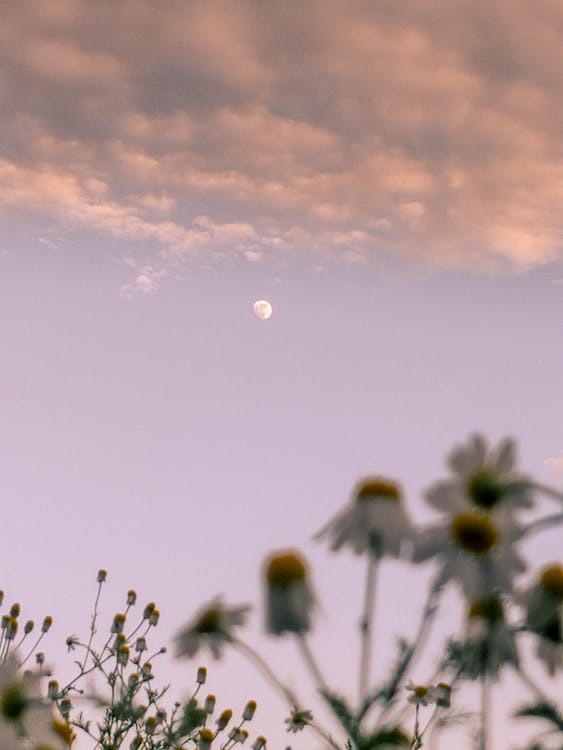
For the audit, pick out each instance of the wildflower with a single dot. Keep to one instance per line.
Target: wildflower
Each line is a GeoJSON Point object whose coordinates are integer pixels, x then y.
{"type": "Point", "coordinates": [298, 720]}
{"type": "Point", "coordinates": [140, 645]}
{"type": "Point", "coordinates": [476, 549]}
{"type": "Point", "coordinates": [131, 597]}
{"type": "Point", "coordinates": [28, 627]}
{"type": "Point", "coordinates": [373, 520]}
{"type": "Point", "coordinates": [212, 626]}
{"type": "Point", "coordinates": [490, 643]}
{"type": "Point", "coordinates": [421, 695]}
{"type": "Point", "coordinates": [224, 718]}
{"type": "Point", "coordinates": [543, 603]}
{"type": "Point", "coordinates": [201, 675]}
{"type": "Point", "coordinates": [123, 655]}
{"type": "Point", "coordinates": [441, 694]}
{"type": "Point", "coordinates": [22, 712]}
{"type": "Point", "coordinates": [102, 575]}
{"type": "Point", "coordinates": [118, 623]}
{"type": "Point", "coordinates": [238, 735]}
{"type": "Point", "coordinates": [483, 479]}
{"type": "Point", "coordinates": [53, 690]}
{"type": "Point", "coordinates": [154, 617]}
{"type": "Point", "coordinates": [249, 711]}
{"type": "Point", "coordinates": [148, 610]}
{"type": "Point", "coordinates": [209, 704]}
{"type": "Point", "coordinates": [205, 739]}
{"type": "Point", "coordinates": [259, 743]}
{"type": "Point", "coordinates": [47, 622]}
{"type": "Point", "coordinates": [289, 598]}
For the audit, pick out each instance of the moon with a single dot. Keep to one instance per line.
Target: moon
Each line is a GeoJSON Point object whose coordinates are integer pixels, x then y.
{"type": "Point", "coordinates": [262, 309]}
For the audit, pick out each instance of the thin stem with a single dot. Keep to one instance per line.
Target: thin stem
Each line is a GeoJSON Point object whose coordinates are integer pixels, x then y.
{"type": "Point", "coordinates": [311, 663]}
{"type": "Point", "coordinates": [263, 667]}
{"type": "Point", "coordinates": [485, 711]}
{"type": "Point", "coordinates": [547, 490]}
{"type": "Point", "coordinates": [326, 737]}
{"type": "Point", "coordinates": [92, 625]}
{"type": "Point", "coordinates": [541, 523]}
{"type": "Point", "coordinates": [366, 627]}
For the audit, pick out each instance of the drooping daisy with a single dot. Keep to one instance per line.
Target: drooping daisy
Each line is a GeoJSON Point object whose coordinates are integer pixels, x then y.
{"type": "Point", "coordinates": [490, 643]}
{"type": "Point", "coordinates": [483, 479]}
{"type": "Point", "coordinates": [543, 604]}
{"type": "Point", "coordinates": [289, 597]}
{"type": "Point", "coordinates": [298, 720]}
{"type": "Point", "coordinates": [375, 520]}
{"type": "Point", "coordinates": [212, 626]}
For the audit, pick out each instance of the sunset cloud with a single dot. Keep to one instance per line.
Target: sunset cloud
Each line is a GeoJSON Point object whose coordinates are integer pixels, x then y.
{"type": "Point", "coordinates": [342, 131]}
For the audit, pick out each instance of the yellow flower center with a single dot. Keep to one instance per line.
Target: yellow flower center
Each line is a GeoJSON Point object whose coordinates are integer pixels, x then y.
{"type": "Point", "coordinates": [551, 581]}
{"type": "Point", "coordinates": [284, 570]}
{"type": "Point", "coordinates": [484, 488]}
{"type": "Point", "coordinates": [206, 735]}
{"type": "Point", "coordinates": [378, 488]}
{"type": "Point", "coordinates": [489, 608]}
{"type": "Point", "coordinates": [474, 533]}
{"type": "Point", "coordinates": [13, 701]}
{"type": "Point", "coordinates": [420, 691]}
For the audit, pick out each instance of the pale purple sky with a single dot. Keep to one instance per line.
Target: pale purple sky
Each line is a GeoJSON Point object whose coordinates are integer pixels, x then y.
{"type": "Point", "coordinates": [389, 177]}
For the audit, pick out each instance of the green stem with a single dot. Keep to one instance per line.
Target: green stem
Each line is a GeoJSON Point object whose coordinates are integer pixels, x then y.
{"type": "Point", "coordinates": [485, 711]}
{"type": "Point", "coordinates": [366, 627]}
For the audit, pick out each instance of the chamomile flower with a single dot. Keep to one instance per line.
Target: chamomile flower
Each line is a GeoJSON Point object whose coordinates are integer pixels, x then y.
{"type": "Point", "coordinates": [211, 626]}
{"type": "Point", "coordinates": [490, 642]}
{"type": "Point", "coordinates": [289, 597]}
{"type": "Point", "coordinates": [476, 549]}
{"type": "Point", "coordinates": [24, 714]}
{"type": "Point", "coordinates": [375, 520]}
{"type": "Point", "coordinates": [420, 695]}
{"type": "Point", "coordinates": [482, 479]}
{"type": "Point", "coordinates": [298, 719]}
{"type": "Point", "coordinates": [543, 604]}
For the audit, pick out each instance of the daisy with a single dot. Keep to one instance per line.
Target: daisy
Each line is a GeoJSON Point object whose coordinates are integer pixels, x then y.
{"type": "Point", "coordinates": [298, 720]}
{"type": "Point", "coordinates": [420, 695]}
{"type": "Point", "coordinates": [289, 597]}
{"type": "Point", "coordinates": [483, 479]}
{"type": "Point", "coordinates": [373, 520]}
{"type": "Point", "coordinates": [212, 626]}
{"type": "Point", "coordinates": [476, 549]}
{"type": "Point", "coordinates": [543, 604]}
{"type": "Point", "coordinates": [490, 643]}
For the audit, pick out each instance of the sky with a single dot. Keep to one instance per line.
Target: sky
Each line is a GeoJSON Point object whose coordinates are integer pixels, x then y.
{"type": "Point", "coordinates": [389, 176]}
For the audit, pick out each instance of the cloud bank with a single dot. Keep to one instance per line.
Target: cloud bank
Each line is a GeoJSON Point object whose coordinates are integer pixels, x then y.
{"type": "Point", "coordinates": [337, 131]}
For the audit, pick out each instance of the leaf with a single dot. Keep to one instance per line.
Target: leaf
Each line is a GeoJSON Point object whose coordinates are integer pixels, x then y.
{"type": "Point", "coordinates": [542, 710]}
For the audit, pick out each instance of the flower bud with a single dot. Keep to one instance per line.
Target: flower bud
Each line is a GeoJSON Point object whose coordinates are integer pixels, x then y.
{"type": "Point", "coordinates": [47, 622]}
{"type": "Point", "coordinates": [201, 675]}
{"type": "Point", "coordinates": [131, 597]}
{"type": "Point", "coordinates": [15, 610]}
{"type": "Point", "coordinates": [28, 627]}
{"type": "Point", "coordinates": [102, 575]}
{"type": "Point", "coordinates": [53, 690]}
{"type": "Point", "coordinates": [118, 623]}
{"type": "Point", "coordinates": [259, 743]}
{"type": "Point", "coordinates": [210, 704]}
{"type": "Point", "coordinates": [249, 711]}
{"type": "Point", "coordinates": [140, 645]}
{"type": "Point", "coordinates": [123, 655]}
{"type": "Point", "coordinates": [224, 718]}
{"type": "Point", "coordinates": [148, 610]}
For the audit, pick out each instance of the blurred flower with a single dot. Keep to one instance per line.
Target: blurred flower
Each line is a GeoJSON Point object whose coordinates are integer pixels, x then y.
{"type": "Point", "coordinates": [421, 695]}
{"type": "Point", "coordinates": [442, 693]}
{"type": "Point", "coordinates": [476, 549]}
{"type": "Point", "coordinates": [373, 520]}
{"type": "Point", "coordinates": [483, 479]}
{"type": "Point", "coordinates": [490, 643]}
{"type": "Point", "coordinates": [212, 626]}
{"type": "Point", "coordinates": [543, 604]}
{"type": "Point", "coordinates": [25, 719]}
{"type": "Point", "coordinates": [289, 598]}
{"type": "Point", "coordinates": [298, 720]}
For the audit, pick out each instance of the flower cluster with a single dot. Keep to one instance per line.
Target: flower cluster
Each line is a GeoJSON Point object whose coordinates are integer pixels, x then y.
{"type": "Point", "coordinates": [476, 544]}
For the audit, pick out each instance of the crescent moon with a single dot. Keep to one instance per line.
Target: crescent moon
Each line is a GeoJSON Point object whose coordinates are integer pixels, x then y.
{"type": "Point", "coordinates": [262, 309]}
